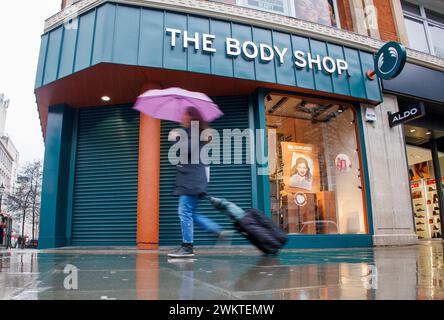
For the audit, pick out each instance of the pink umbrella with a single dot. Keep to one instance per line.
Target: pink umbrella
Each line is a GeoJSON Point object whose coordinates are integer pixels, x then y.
{"type": "Point", "coordinates": [170, 104]}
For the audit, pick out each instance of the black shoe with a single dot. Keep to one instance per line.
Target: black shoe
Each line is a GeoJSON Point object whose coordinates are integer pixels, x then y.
{"type": "Point", "coordinates": [419, 229]}
{"type": "Point", "coordinates": [418, 223]}
{"type": "Point", "coordinates": [420, 217]}
{"type": "Point", "coordinates": [435, 228]}
{"type": "Point", "coordinates": [186, 250]}
{"type": "Point", "coordinates": [420, 209]}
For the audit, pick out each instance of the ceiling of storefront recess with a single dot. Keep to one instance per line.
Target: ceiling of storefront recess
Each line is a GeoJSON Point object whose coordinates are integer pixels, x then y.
{"type": "Point", "coordinates": [418, 155]}
{"type": "Point", "coordinates": [419, 136]}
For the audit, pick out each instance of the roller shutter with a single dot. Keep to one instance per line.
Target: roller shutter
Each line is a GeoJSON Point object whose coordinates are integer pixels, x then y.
{"type": "Point", "coordinates": [105, 187]}
{"type": "Point", "coordinates": [229, 181]}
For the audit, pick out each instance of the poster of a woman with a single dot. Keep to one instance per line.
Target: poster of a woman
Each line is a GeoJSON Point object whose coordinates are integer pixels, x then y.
{"type": "Point", "coordinates": [300, 167]}
{"type": "Point", "coordinates": [301, 172]}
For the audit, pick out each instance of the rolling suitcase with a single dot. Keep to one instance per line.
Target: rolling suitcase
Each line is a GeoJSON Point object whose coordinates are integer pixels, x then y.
{"type": "Point", "coordinates": [254, 225]}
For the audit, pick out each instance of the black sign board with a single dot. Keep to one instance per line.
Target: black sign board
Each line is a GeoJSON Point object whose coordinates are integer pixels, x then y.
{"type": "Point", "coordinates": [411, 113]}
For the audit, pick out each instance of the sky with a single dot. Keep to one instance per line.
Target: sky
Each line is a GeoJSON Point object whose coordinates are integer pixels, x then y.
{"type": "Point", "coordinates": [21, 25]}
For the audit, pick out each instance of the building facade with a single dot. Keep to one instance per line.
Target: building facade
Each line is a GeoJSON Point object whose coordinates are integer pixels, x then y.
{"type": "Point", "coordinates": [9, 156]}
{"type": "Point", "coordinates": [295, 73]}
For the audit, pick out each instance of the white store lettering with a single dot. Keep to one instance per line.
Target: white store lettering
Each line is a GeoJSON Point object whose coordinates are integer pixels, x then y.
{"type": "Point", "coordinates": [406, 114]}
{"type": "Point", "coordinates": [250, 50]}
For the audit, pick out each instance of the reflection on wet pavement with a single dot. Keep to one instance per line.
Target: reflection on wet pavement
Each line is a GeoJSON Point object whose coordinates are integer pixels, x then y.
{"type": "Point", "coordinates": [414, 272]}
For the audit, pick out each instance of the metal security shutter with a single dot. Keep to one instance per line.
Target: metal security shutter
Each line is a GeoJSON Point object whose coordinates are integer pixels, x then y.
{"type": "Point", "coordinates": [232, 182]}
{"type": "Point", "coordinates": [105, 189]}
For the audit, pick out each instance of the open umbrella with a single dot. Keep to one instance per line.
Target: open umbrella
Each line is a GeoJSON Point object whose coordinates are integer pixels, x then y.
{"type": "Point", "coordinates": [170, 104]}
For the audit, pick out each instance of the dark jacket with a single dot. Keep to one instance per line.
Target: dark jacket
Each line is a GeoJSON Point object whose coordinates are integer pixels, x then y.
{"type": "Point", "coordinates": [191, 179]}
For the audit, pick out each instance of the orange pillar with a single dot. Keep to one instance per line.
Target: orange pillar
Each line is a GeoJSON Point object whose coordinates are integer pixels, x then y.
{"type": "Point", "coordinates": [148, 181]}
{"type": "Point", "coordinates": [147, 276]}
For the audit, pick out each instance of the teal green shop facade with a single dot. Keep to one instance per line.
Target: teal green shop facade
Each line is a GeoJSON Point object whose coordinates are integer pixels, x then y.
{"type": "Point", "coordinates": [92, 159]}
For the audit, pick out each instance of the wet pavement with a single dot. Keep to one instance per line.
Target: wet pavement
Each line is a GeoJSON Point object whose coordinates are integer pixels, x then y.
{"type": "Point", "coordinates": [413, 272]}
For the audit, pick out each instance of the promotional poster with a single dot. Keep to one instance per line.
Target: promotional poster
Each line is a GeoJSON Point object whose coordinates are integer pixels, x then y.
{"type": "Point", "coordinates": [301, 167]}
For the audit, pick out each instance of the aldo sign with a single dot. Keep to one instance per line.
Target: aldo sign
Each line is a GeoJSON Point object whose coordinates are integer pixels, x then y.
{"type": "Point", "coordinates": [390, 60]}
{"type": "Point", "coordinates": [411, 113]}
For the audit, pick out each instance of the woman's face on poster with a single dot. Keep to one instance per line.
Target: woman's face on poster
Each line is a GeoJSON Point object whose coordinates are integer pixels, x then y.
{"type": "Point", "coordinates": [302, 169]}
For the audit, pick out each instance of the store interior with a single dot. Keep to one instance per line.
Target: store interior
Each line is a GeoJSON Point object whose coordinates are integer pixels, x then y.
{"type": "Point", "coordinates": [315, 170]}
{"type": "Point", "coordinates": [423, 185]}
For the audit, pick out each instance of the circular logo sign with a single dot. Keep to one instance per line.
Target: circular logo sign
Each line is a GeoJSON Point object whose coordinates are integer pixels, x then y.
{"type": "Point", "coordinates": [390, 60]}
{"type": "Point", "coordinates": [343, 162]}
{"type": "Point", "coordinates": [300, 199]}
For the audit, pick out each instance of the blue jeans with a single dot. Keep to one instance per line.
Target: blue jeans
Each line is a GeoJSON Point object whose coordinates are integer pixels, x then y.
{"type": "Point", "coordinates": [188, 215]}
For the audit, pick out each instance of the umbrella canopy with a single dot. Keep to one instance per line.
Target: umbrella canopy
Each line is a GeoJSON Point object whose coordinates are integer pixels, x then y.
{"type": "Point", "coordinates": [170, 104]}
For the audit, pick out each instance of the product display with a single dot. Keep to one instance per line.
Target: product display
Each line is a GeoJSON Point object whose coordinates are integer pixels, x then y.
{"type": "Point", "coordinates": [417, 194]}
{"type": "Point", "coordinates": [426, 209]}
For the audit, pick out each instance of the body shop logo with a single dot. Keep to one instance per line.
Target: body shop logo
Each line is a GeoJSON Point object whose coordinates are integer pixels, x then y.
{"type": "Point", "coordinates": [387, 64]}
{"type": "Point", "coordinates": [390, 60]}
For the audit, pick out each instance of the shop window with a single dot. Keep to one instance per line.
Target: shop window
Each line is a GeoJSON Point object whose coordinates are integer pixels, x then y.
{"type": "Point", "coordinates": [425, 29]}
{"type": "Point", "coordinates": [417, 35]}
{"type": "Point", "coordinates": [423, 185]}
{"type": "Point", "coordinates": [319, 11]}
{"type": "Point", "coordinates": [314, 166]}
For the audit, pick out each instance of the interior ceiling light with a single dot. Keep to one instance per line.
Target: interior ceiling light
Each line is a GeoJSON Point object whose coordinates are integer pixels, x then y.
{"type": "Point", "coordinates": [413, 130]}
{"type": "Point", "coordinates": [429, 132]}
{"type": "Point", "coordinates": [106, 98]}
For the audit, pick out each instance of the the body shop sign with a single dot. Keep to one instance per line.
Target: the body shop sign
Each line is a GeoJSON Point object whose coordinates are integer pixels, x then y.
{"type": "Point", "coordinates": [250, 50]}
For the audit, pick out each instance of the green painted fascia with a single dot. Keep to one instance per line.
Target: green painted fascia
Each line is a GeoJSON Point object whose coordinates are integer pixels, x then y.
{"type": "Point", "coordinates": [133, 35]}
{"type": "Point", "coordinates": [329, 241]}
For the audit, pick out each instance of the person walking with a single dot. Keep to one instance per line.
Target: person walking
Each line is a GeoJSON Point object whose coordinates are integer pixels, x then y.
{"type": "Point", "coordinates": [192, 184]}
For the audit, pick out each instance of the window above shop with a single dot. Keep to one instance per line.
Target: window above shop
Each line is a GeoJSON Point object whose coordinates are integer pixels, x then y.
{"type": "Point", "coordinates": [67, 3]}
{"type": "Point", "coordinates": [425, 28]}
{"type": "Point", "coordinates": [324, 12]}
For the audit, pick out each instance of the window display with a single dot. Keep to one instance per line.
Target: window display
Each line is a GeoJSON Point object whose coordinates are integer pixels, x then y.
{"type": "Point", "coordinates": [424, 193]}
{"type": "Point", "coordinates": [315, 179]}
